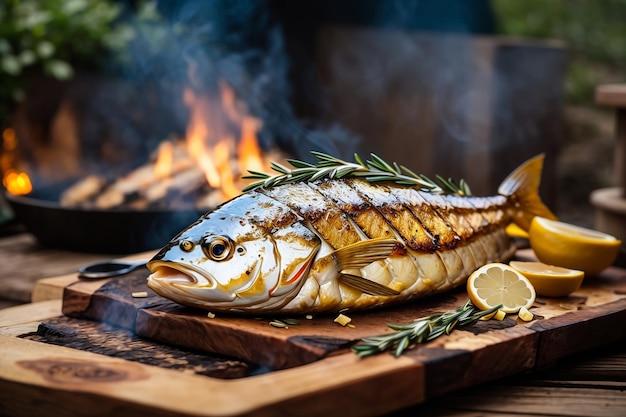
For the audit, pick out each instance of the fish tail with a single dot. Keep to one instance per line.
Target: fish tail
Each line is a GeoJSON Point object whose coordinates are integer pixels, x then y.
{"type": "Point", "coordinates": [522, 188]}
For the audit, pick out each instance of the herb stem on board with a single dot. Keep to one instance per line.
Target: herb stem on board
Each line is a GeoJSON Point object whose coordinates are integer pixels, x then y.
{"type": "Point", "coordinates": [372, 170]}
{"type": "Point", "coordinates": [421, 330]}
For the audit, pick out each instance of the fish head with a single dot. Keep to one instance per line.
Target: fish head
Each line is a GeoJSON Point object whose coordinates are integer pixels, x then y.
{"type": "Point", "coordinates": [227, 262]}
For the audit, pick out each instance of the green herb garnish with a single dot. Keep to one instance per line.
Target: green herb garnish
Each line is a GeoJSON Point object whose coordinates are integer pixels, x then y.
{"type": "Point", "coordinates": [373, 170]}
{"type": "Point", "coordinates": [421, 330]}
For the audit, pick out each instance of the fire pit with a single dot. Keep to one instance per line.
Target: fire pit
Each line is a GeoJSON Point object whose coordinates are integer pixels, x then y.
{"type": "Point", "coordinates": [144, 208]}
{"type": "Point", "coordinates": [98, 231]}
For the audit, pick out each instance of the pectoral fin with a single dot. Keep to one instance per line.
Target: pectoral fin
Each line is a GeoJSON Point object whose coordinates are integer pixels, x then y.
{"type": "Point", "coordinates": [361, 254]}
{"type": "Point", "coordinates": [365, 285]}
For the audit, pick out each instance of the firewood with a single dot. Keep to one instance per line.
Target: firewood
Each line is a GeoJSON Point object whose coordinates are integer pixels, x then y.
{"type": "Point", "coordinates": [80, 192]}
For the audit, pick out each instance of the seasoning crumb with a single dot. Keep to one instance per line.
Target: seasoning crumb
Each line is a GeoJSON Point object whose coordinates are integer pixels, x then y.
{"type": "Point", "coordinates": [500, 315]}
{"type": "Point", "coordinates": [139, 294]}
{"type": "Point", "coordinates": [342, 320]}
{"type": "Point", "coordinates": [350, 325]}
{"type": "Point", "coordinates": [309, 317]}
{"type": "Point", "coordinates": [210, 315]}
{"type": "Point", "coordinates": [525, 315]}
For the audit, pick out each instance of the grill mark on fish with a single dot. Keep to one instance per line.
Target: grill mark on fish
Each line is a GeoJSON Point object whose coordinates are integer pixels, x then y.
{"type": "Point", "coordinates": [397, 215]}
{"type": "Point", "coordinates": [366, 217]}
{"type": "Point", "coordinates": [445, 235]}
{"type": "Point", "coordinates": [331, 223]}
{"type": "Point", "coordinates": [457, 221]}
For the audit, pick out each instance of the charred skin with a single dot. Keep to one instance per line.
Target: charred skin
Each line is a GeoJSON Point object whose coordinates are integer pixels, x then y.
{"type": "Point", "coordinates": [444, 243]}
{"type": "Point", "coordinates": [286, 249]}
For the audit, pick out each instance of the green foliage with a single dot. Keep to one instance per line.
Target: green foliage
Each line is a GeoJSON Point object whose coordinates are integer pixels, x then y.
{"type": "Point", "coordinates": [594, 31]}
{"type": "Point", "coordinates": [56, 36]}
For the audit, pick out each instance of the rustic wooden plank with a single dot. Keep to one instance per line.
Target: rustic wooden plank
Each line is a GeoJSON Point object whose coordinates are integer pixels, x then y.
{"type": "Point", "coordinates": [24, 262]}
{"type": "Point", "coordinates": [277, 348]}
{"type": "Point", "coordinates": [543, 401]}
{"type": "Point", "coordinates": [104, 339]}
{"type": "Point", "coordinates": [485, 352]}
{"type": "Point", "coordinates": [30, 312]}
{"type": "Point", "coordinates": [602, 369]}
{"type": "Point", "coordinates": [52, 288]}
{"type": "Point", "coordinates": [253, 340]}
{"type": "Point", "coordinates": [111, 300]}
{"type": "Point", "coordinates": [43, 374]}
{"type": "Point", "coordinates": [589, 318]}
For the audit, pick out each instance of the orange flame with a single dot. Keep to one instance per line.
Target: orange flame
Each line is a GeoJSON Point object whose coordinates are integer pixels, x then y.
{"type": "Point", "coordinates": [198, 134]}
{"type": "Point", "coordinates": [165, 160]}
{"type": "Point", "coordinates": [248, 150]}
{"type": "Point", "coordinates": [16, 182]}
{"type": "Point", "coordinates": [216, 152]}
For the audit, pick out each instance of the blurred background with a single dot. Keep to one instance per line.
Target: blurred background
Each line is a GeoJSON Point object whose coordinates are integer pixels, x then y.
{"type": "Point", "coordinates": [95, 89]}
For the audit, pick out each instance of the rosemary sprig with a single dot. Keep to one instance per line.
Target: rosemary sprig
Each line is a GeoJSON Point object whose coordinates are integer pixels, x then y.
{"type": "Point", "coordinates": [421, 330]}
{"type": "Point", "coordinates": [373, 170]}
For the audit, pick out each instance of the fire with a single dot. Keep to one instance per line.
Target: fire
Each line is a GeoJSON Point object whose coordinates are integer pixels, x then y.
{"type": "Point", "coordinates": [165, 160]}
{"type": "Point", "coordinates": [211, 142]}
{"type": "Point", "coordinates": [248, 150]}
{"type": "Point", "coordinates": [15, 181]}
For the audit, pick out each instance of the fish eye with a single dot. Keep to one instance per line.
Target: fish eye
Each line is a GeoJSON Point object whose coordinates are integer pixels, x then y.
{"type": "Point", "coordinates": [217, 248]}
{"type": "Point", "coordinates": [186, 245]}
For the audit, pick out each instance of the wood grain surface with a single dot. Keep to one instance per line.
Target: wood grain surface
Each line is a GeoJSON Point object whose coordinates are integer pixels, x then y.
{"type": "Point", "coordinates": [23, 262]}
{"type": "Point", "coordinates": [562, 326]}
{"type": "Point", "coordinates": [451, 365]}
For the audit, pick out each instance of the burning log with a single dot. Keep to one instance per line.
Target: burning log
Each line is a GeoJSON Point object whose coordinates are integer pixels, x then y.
{"type": "Point", "coordinates": [199, 172]}
{"type": "Point", "coordinates": [145, 187]}
{"type": "Point", "coordinates": [170, 180]}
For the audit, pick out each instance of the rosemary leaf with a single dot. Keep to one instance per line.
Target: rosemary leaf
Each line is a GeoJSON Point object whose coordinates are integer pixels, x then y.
{"type": "Point", "coordinates": [421, 330]}
{"type": "Point", "coordinates": [300, 164]}
{"type": "Point", "coordinates": [373, 170]}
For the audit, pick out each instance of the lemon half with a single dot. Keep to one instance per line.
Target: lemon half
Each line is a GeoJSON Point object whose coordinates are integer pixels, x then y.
{"type": "Point", "coordinates": [550, 280]}
{"type": "Point", "coordinates": [571, 246]}
{"type": "Point", "coordinates": [497, 283]}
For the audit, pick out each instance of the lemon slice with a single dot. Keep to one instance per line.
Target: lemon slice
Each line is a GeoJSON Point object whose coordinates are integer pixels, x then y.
{"type": "Point", "coordinates": [497, 283]}
{"type": "Point", "coordinates": [571, 246]}
{"type": "Point", "coordinates": [550, 280]}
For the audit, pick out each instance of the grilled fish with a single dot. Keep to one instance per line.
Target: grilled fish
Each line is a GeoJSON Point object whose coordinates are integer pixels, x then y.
{"type": "Point", "coordinates": [334, 244]}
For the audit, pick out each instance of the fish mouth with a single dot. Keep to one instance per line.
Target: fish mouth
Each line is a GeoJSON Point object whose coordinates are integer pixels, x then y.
{"type": "Point", "coordinates": [179, 275]}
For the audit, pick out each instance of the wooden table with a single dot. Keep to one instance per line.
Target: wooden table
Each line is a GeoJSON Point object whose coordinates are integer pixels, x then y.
{"type": "Point", "coordinates": [591, 383]}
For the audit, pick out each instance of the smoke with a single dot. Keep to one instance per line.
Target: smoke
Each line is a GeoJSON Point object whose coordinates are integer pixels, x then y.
{"type": "Point", "coordinates": [202, 43]}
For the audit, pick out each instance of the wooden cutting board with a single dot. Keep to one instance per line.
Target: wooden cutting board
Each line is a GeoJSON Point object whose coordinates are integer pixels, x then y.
{"type": "Point", "coordinates": [566, 323]}
{"type": "Point", "coordinates": [319, 373]}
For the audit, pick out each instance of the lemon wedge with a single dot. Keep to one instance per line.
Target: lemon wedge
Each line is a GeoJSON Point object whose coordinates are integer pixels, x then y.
{"type": "Point", "coordinates": [550, 280]}
{"type": "Point", "coordinates": [497, 283]}
{"type": "Point", "coordinates": [514, 230]}
{"type": "Point", "coordinates": [571, 246]}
